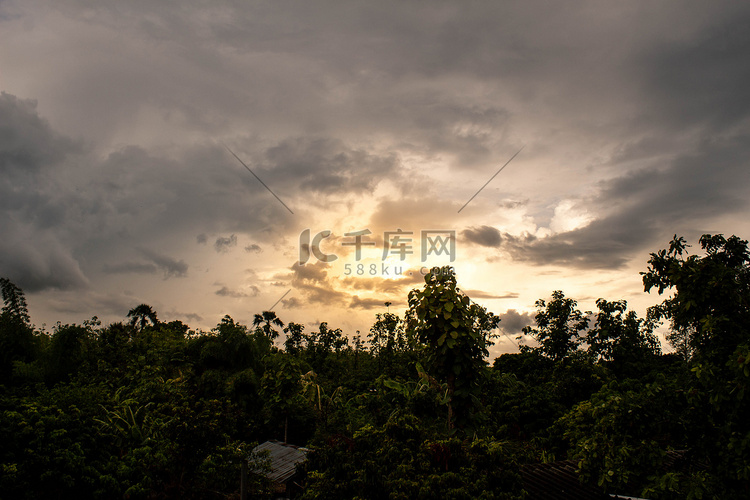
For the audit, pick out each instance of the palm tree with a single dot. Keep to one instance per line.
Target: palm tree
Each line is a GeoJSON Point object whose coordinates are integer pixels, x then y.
{"type": "Point", "coordinates": [268, 319]}
{"type": "Point", "coordinates": [141, 315]}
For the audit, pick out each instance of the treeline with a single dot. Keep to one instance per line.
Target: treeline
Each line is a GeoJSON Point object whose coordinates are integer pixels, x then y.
{"type": "Point", "coordinates": [411, 409]}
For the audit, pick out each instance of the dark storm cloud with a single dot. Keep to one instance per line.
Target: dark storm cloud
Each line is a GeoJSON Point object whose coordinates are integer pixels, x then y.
{"type": "Point", "coordinates": [201, 189]}
{"type": "Point", "coordinates": [327, 166]}
{"type": "Point", "coordinates": [331, 100]}
{"type": "Point", "coordinates": [32, 252]}
{"type": "Point", "coordinates": [468, 133]}
{"type": "Point", "coordinates": [93, 208]}
{"type": "Point", "coordinates": [36, 260]}
{"type": "Point", "coordinates": [644, 208]}
{"type": "Point", "coordinates": [307, 71]}
{"type": "Point", "coordinates": [702, 79]}
{"type": "Point", "coordinates": [486, 236]}
{"type": "Point", "coordinates": [27, 142]}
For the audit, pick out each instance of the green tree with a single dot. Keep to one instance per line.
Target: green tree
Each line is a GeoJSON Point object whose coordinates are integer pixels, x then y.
{"type": "Point", "coordinates": [324, 341]}
{"type": "Point", "coordinates": [456, 334]}
{"type": "Point", "coordinates": [18, 344]}
{"type": "Point", "coordinates": [709, 311]}
{"type": "Point", "coordinates": [559, 326]}
{"type": "Point", "coordinates": [387, 334]}
{"type": "Point", "coordinates": [14, 301]}
{"type": "Point", "coordinates": [619, 336]}
{"type": "Point", "coordinates": [710, 307]}
{"type": "Point", "coordinates": [68, 351]}
{"type": "Point", "coordinates": [619, 436]}
{"type": "Point", "coordinates": [295, 334]}
{"type": "Point", "coordinates": [403, 459]}
{"type": "Point", "coordinates": [281, 388]}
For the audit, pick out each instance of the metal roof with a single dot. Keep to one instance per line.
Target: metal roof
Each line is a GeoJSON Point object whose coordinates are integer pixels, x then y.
{"type": "Point", "coordinates": [557, 481]}
{"type": "Point", "coordinates": [283, 459]}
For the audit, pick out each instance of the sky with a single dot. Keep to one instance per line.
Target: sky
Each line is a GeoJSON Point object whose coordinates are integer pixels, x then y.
{"type": "Point", "coordinates": [175, 153]}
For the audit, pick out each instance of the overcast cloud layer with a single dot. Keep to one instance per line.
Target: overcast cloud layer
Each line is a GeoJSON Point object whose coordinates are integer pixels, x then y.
{"type": "Point", "coordinates": [119, 121]}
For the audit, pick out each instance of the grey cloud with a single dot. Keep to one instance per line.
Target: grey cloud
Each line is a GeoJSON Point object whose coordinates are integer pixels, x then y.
{"type": "Point", "coordinates": [130, 268]}
{"type": "Point", "coordinates": [642, 209]}
{"type": "Point", "coordinates": [327, 166]}
{"type": "Point", "coordinates": [366, 303]}
{"type": "Point", "coordinates": [172, 268]}
{"type": "Point", "coordinates": [479, 294]}
{"type": "Point", "coordinates": [512, 321]}
{"type": "Point", "coordinates": [182, 316]}
{"type": "Point", "coordinates": [703, 78]}
{"type": "Point", "coordinates": [254, 248]}
{"type": "Point", "coordinates": [391, 288]}
{"type": "Point", "coordinates": [291, 303]}
{"type": "Point", "coordinates": [114, 305]}
{"type": "Point", "coordinates": [486, 236]}
{"type": "Point", "coordinates": [34, 252]}
{"type": "Point", "coordinates": [224, 291]}
{"type": "Point", "coordinates": [437, 77]}
{"type": "Point", "coordinates": [37, 261]}
{"type": "Point", "coordinates": [27, 142]}
{"type": "Point", "coordinates": [312, 280]}
{"type": "Point", "coordinates": [223, 244]}
{"type": "Point", "coordinates": [323, 105]}
{"type": "Point", "coordinates": [201, 239]}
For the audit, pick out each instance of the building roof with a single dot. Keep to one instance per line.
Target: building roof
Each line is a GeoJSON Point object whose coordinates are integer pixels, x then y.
{"type": "Point", "coordinates": [557, 481]}
{"type": "Point", "coordinates": [283, 459]}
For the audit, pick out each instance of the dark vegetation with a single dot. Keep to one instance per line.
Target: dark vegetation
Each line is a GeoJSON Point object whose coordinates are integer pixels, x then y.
{"type": "Point", "coordinates": [147, 409]}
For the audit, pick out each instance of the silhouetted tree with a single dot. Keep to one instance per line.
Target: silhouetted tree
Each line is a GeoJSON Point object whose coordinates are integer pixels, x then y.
{"type": "Point", "coordinates": [268, 319]}
{"type": "Point", "coordinates": [710, 307]}
{"type": "Point", "coordinates": [558, 326]}
{"type": "Point", "coordinates": [140, 316]}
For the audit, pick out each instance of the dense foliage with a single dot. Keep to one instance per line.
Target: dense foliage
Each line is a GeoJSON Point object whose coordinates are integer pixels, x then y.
{"type": "Point", "coordinates": [148, 409]}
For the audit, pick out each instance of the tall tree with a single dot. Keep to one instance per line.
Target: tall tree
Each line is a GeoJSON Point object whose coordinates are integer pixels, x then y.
{"type": "Point", "coordinates": [386, 334]}
{"type": "Point", "coordinates": [710, 307]}
{"type": "Point", "coordinates": [620, 335]}
{"type": "Point", "coordinates": [268, 320]}
{"type": "Point", "coordinates": [558, 326]}
{"type": "Point", "coordinates": [456, 334]}
{"type": "Point", "coordinates": [295, 334]}
{"type": "Point", "coordinates": [17, 339]}
{"type": "Point", "coordinates": [14, 301]}
{"type": "Point", "coordinates": [140, 316]}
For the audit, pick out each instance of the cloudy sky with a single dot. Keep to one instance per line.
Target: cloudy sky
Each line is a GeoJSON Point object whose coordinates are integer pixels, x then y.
{"type": "Point", "coordinates": [118, 187]}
